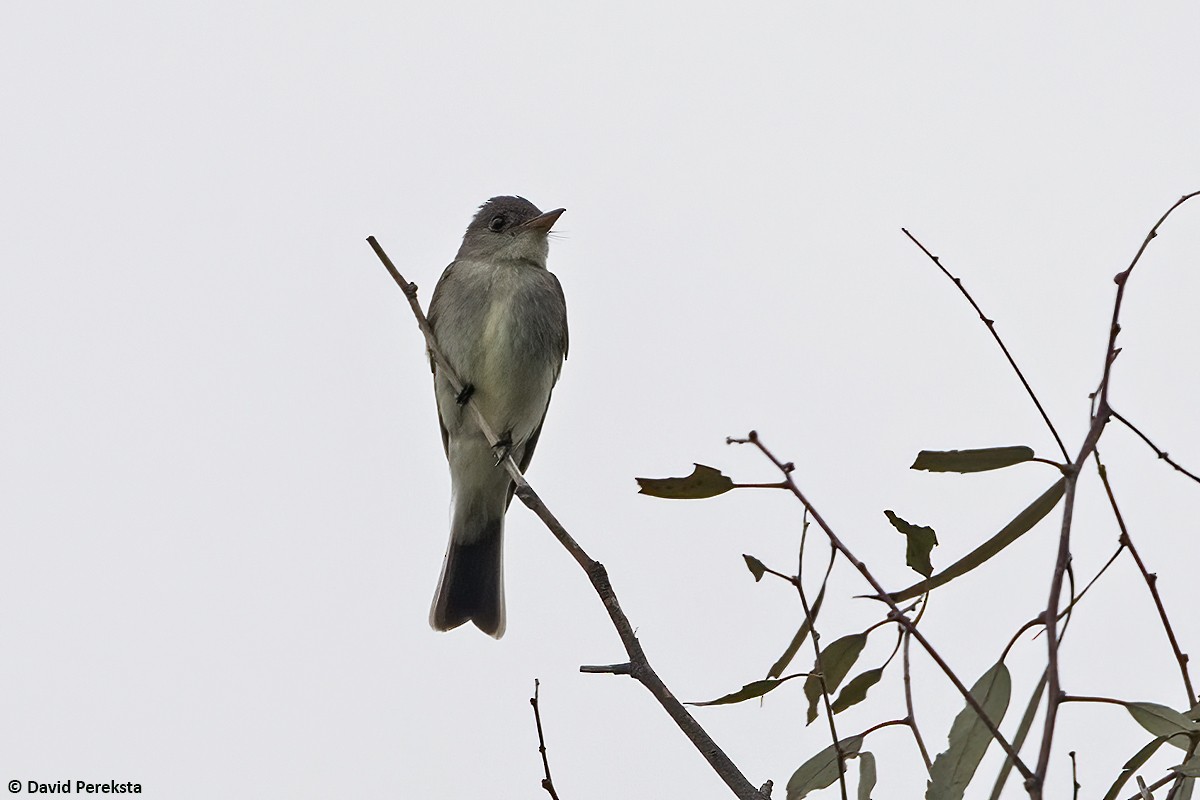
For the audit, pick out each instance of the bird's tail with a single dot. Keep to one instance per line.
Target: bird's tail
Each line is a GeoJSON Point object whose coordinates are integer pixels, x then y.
{"type": "Point", "coordinates": [472, 584]}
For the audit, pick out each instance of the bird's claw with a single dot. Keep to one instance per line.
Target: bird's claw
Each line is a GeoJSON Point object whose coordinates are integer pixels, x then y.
{"type": "Point", "coordinates": [502, 448]}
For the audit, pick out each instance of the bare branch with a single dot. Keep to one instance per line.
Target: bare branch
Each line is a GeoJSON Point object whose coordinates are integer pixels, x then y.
{"type": "Point", "coordinates": [1160, 453]}
{"type": "Point", "coordinates": [816, 639]}
{"type": "Point", "coordinates": [547, 782]}
{"type": "Point", "coordinates": [991, 326]}
{"type": "Point", "coordinates": [1151, 580]}
{"type": "Point", "coordinates": [908, 704]}
{"type": "Point", "coordinates": [639, 665]}
{"type": "Point", "coordinates": [1100, 418]}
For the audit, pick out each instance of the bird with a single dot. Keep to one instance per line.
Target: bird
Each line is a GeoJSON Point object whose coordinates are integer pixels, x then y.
{"type": "Point", "coordinates": [499, 317]}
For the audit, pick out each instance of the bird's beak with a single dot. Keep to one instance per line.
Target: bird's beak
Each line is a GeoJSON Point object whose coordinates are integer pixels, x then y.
{"type": "Point", "coordinates": [544, 222]}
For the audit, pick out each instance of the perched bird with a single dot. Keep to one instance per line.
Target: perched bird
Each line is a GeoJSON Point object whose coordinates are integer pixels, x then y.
{"type": "Point", "coordinates": [500, 318]}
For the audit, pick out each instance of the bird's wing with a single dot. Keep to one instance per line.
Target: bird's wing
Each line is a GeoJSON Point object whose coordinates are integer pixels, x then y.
{"type": "Point", "coordinates": [527, 455]}
{"type": "Point", "coordinates": [445, 433]}
{"type": "Point", "coordinates": [432, 316]}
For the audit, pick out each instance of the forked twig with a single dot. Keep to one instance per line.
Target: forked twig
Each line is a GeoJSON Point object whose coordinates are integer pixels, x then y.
{"type": "Point", "coordinates": [1100, 418]}
{"type": "Point", "coordinates": [896, 613]}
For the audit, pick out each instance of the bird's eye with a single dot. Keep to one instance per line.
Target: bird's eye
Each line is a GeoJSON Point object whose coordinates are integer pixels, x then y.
{"type": "Point", "coordinates": [496, 224]}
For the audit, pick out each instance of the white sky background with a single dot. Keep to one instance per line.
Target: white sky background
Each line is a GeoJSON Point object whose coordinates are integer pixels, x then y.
{"type": "Point", "coordinates": [224, 496]}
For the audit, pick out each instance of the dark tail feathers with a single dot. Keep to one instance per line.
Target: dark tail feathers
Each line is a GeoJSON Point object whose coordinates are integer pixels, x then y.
{"type": "Point", "coordinates": [472, 584]}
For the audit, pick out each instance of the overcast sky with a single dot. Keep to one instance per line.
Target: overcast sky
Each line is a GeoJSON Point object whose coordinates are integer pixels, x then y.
{"type": "Point", "coordinates": [223, 499]}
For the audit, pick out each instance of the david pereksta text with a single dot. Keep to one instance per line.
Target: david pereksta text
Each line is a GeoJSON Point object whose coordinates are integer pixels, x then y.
{"type": "Point", "coordinates": [77, 787]}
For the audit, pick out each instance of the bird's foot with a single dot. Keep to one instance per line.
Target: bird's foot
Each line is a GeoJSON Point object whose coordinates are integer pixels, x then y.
{"type": "Point", "coordinates": [465, 394]}
{"type": "Point", "coordinates": [503, 447]}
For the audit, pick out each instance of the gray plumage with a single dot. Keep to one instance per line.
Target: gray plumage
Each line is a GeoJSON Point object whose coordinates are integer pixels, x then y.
{"type": "Point", "coordinates": [500, 318]}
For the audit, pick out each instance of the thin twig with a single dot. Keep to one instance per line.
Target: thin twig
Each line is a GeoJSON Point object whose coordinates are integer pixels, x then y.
{"type": "Point", "coordinates": [1158, 452]}
{"type": "Point", "coordinates": [896, 612]}
{"type": "Point", "coordinates": [1157, 784]}
{"type": "Point", "coordinates": [639, 665]}
{"type": "Point", "coordinates": [1023, 728]}
{"type": "Point", "coordinates": [991, 326]}
{"type": "Point", "coordinates": [816, 638]}
{"type": "Point", "coordinates": [1053, 699]}
{"type": "Point", "coordinates": [1121, 279]}
{"type": "Point", "coordinates": [1177, 787]}
{"type": "Point", "coordinates": [547, 782]}
{"type": "Point", "coordinates": [1099, 419]}
{"type": "Point", "coordinates": [1151, 579]}
{"type": "Point", "coordinates": [1074, 777]}
{"type": "Point", "coordinates": [908, 704]}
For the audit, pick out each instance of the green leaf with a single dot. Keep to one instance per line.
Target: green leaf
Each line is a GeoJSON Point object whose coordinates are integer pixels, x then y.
{"type": "Point", "coordinates": [822, 769]}
{"type": "Point", "coordinates": [1163, 721]}
{"type": "Point", "coordinates": [866, 775]}
{"type": "Point", "coordinates": [1018, 740]}
{"type": "Point", "coordinates": [921, 540]}
{"type": "Point", "coordinates": [1185, 789]}
{"type": "Point", "coordinates": [703, 482]}
{"type": "Point", "coordinates": [856, 690]}
{"type": "Point", "coordinates": [836, 660]}
{"type": "Point", "coordinates": [969, 737]}
{"type": "Point", "coordinates": [757, 568]}
{"type": "Point", "coordinates": [1033, 514]}
{"type": "Point", "coordinates": [1190, 768]}
{"type": "Point", "coordinates": [747, 692]}
{"type": "Point", "coordinates": [1131, 766]}
{"type": "Point", "coordinates": [971, 460]}
{"type": "Point", "coordinates": [805, 628]}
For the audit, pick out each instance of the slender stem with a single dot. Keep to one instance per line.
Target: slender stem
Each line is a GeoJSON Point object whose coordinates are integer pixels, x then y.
{"type": "Point", "coordinates": [1051, 613]}
{"type": "Point", "coordinates": [1079, 698]}
{"type": "Point", "coordinates": [1177, 787]}
{"type": "Point", "coordinates": [1160, 453]}
{"type": "Point", "coordinates": [991, 326]}
{"type": "Point", "coordinates": [1092, 582]}
{"type": "Point", "coordinates": [882, 725]}
{"type": "Point", "coordinates": [639, 665]}
{"type": "Point", "coordinates": [1099, 419]}
{"type": "Point", "coordinates": [1121, 279]}
{"type": "Point", "coordinates": [896, 612]}
{"type": "Point", "coordinates": [547, 782]}
{"type": "Point", "coordinates": [779, 485]}
{"type": "Point", "coordinates": [1151, 580]}
{"type": "Point", "coordinates": [1156, 785]}
{"type": "Point", "coordinates": [816, 638]}
{"type": "Point", "coordinates": [1035, 700]}
{"type": "Point", "coordinates": [908, 704]}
